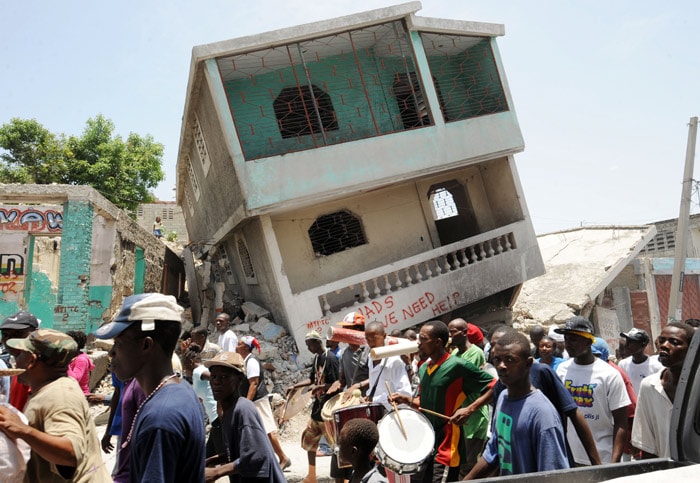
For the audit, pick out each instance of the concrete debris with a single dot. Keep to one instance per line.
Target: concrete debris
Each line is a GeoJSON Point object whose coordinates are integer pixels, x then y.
{"type": "Point", "coordinates": [254, 312]}
{"type": "Point", "coordinates": [268, 330]}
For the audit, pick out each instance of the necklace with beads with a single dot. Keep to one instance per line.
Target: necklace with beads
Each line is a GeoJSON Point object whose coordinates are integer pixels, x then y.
{"type": "Point", "coordinates": [148, 398]}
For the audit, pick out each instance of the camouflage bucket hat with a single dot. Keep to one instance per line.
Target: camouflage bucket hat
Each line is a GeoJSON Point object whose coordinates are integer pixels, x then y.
{"type": "Point", "coordinates": [53, 347]}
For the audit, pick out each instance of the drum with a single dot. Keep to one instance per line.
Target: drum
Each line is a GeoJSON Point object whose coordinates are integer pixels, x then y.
{"type": "Point", "coordinates": [296, 401]}
{"type": "Point", "coordinates": [372, 411]}
{"type": "Point", "coordinates": [327, 414]}
{"type": "Point", "coordinates": [399, 454]}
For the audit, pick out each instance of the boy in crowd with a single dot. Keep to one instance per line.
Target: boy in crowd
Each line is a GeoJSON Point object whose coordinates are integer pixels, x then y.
{"type": "Point", "coordinates": [527, 432]}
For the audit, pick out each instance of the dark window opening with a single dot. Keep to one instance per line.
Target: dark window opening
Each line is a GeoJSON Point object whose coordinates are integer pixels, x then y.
{"type": "Point", "coordinates": [411, 101]}
{"type": "Point", "coordinates": [335, 233]}
{"type": "Point", "coordinates": [302, 110]}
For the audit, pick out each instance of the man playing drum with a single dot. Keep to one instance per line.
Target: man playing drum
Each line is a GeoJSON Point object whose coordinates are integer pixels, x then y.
{"type": "Point", "coordinates": [445, 382]}
{"type": "Point", "coordinates": [353, 374]}
{"type": "Point", "coordinates": [324, 372]}
{"type": "Point", "coordinates": [390, 371]}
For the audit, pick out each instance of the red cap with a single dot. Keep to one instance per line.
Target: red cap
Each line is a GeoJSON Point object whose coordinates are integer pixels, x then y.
{"type": "Point", "coordinates": [474, 334]}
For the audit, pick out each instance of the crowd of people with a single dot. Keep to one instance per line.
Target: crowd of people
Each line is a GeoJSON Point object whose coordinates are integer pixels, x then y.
{"type": "Point", "coordinates": [474, 404]}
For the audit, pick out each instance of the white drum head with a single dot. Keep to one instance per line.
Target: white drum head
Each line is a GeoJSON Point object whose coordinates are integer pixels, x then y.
{"type": "Point", "coordinates": [412, 450]}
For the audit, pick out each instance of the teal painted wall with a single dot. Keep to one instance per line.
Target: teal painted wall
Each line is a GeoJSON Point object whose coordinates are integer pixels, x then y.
{"type": "Point", "coordinates": [139, 270]}
{"type": "Point", "coordinates": [251, 101]}
{"type": "Point", "coordinates": [100, 300]}
{"type": "Point", "coordinates": [469, 83]}
{"type": "Point", "coordinates": [71, 310]}
{"type": "Point", "coordinates": [41, 300]}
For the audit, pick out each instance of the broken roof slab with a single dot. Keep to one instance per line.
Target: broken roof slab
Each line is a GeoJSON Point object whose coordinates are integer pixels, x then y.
{"type": "Point", "coordinates": [579, 264]}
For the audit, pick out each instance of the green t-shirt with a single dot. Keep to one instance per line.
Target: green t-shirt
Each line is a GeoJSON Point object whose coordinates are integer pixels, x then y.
{"type": "Point", "coordinates": [478, 423]}
{"type": "Point", "coordinates": [444, 386]}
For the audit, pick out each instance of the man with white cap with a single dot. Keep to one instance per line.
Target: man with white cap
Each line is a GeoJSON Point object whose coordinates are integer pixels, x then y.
{"type": "Point", "coordinates": [166, 438]}
{"type": "Point", "coordinates": [324, 372]}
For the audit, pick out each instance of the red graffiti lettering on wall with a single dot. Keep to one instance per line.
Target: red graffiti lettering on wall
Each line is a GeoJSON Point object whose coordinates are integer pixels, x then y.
{"type": "Point", "coordinates": [8, 287]}
{"type": "Point", "coordinates": [315, 324]}
{"type": "Point", "coordinates": [426, 302]}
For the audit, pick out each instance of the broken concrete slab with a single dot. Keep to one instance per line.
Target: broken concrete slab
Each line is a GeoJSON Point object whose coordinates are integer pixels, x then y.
{"type": "Point", "coordinates": [255, 311]}
{"type": "Point", "coordinates": [268, 330]}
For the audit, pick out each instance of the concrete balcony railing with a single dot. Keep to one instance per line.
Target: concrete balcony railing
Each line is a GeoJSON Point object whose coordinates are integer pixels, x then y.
{"type": "Point", "coordinates": [456, 274]}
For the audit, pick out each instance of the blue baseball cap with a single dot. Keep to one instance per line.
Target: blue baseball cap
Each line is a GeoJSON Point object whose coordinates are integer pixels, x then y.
{"type": "Point", "coordinates": [146, 308]}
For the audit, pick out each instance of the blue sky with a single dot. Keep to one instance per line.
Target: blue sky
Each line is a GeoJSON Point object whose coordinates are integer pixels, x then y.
{"type": "Point", "coordinates": [603, 90]}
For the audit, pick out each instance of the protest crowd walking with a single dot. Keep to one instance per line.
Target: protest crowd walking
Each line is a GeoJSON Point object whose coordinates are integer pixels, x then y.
{"type": "Point", "coordinates": [474, 412]}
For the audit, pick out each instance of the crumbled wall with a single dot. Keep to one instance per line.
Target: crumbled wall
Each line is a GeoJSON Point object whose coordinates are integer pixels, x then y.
{"type": "Point", "coordinates": [129, 236]}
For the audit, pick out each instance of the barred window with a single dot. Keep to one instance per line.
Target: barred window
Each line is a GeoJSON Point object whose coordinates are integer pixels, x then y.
{"type": "Point", "coordinates": [246, 261]}
{"type": "Point", "coordinates": [444, 204]}
{"type": "Point", "coordinates": [303, 110]}
{"type": "Point", "coordinates": [201, 146]}
{"type": "Point", "coordinates": [411, 101]}
{"type": "Point", "coordinates": [193, 178]}
{"type": "Point", "coordinates": [335, 233]}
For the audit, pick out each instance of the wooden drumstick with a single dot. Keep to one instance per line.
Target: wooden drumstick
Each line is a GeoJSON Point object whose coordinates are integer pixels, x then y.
{"type": "Point", "coordinates": [396, 410]}
{"type": "Point", "coordinates": [434, 413]}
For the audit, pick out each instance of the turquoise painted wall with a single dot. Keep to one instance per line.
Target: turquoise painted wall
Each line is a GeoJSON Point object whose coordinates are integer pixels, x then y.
{"type": "Point", "coordinates": [251, 101]}
{"type": "Point", "coordinates": [467, 80]}
{"type": "Point", "coordinates": [41, 300]}
{"type": "Point", "coordinates": [71, 310]}
{"type": "Point", "coordinates": [139, 271]}
{"type": "Point", "coordinates": [100, 300]}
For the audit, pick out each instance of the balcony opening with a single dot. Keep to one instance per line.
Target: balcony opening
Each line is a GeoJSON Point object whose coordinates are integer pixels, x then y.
{"type": "Point", "coordinates": [302, 110]}
{"type": "Point", "coordinates": [452, 212]}
{"type": "Point", "coordinates": [335, 233]}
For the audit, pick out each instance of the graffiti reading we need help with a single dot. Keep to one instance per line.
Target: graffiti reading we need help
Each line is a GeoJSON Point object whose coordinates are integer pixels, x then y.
{"type": "Point", "coordinates": [425, 306]}
{"type": "Point", "coordinates": [392, 310]}
{"type": "Point", "coordinates": [31, 219]}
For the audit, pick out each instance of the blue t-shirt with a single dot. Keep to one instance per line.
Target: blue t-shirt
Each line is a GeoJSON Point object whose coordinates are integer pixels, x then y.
{"type": "Point", "coordinates": [168, 441]}
{"type": "Point", "coordinates": [555, 362]}
{"type": "Point", "coordinates": [542, 377]}
{"type": "Point", "coordinates": [248, 446]}
{"type": "Point", "coordinates": [116, 428]}
{"type": "Point", "coordinates": [527, 436]}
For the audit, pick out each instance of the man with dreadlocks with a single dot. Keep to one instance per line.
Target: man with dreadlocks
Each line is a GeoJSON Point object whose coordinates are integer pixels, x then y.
{"type": "Point", "coordinates": [254, 389]}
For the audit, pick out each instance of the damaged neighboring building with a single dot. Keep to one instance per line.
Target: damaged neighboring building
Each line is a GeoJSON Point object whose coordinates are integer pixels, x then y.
{"type": "Point", "coordinates": [654, 269]}
{"type": "Point", "coordinates": [70, 256]}
{"type": "Point", "coordinates": [588, 272]}
{"type": "Point", "coordinates": [360, 163]}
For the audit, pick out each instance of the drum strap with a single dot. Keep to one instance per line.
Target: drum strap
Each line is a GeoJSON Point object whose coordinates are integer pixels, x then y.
{"type": "Point", "coordinates": [374, 388]}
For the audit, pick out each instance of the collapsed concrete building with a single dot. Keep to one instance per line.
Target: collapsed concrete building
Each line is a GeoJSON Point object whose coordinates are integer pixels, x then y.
{"type": "Point", "coordinates": [70, 256]}
{"type": "Point", "coordinates": [361, 163]}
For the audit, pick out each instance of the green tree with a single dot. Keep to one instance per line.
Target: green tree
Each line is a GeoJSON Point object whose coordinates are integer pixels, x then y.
{"type": "Point", "coordinates": [124, 171]}
{"type": "Point", "coordinates": [32, 153]}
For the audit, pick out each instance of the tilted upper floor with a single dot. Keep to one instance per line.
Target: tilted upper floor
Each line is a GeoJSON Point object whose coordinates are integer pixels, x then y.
{"type": "Point", "coordinates": [318, 112]}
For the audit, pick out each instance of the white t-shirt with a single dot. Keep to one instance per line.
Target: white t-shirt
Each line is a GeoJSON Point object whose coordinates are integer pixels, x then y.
{"type": "Point", "coordinates": [13, 454]}
{"type": "Point", "coordinates": [252, 367]}
{"type": "Point", "coordinates": [203, 390]}
{"type": "Point", "coordinates": [652, 421]}
{"type": "Point", "coordinates": [394, 373]}
{"type": "Point", "coordinates": [598, 390]}
{"type": "Point", "coordinates": [637, 372]}
{"type": "Point", "coordinates": [227, 341]}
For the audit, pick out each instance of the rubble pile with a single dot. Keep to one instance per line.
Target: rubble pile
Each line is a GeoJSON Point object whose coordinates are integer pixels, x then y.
{"type": "Point", "coordinates": [278, 350]}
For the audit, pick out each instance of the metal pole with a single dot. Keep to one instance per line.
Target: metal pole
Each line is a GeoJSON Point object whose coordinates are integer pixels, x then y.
{"type": "Point", "coordinates": [675, 301]}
